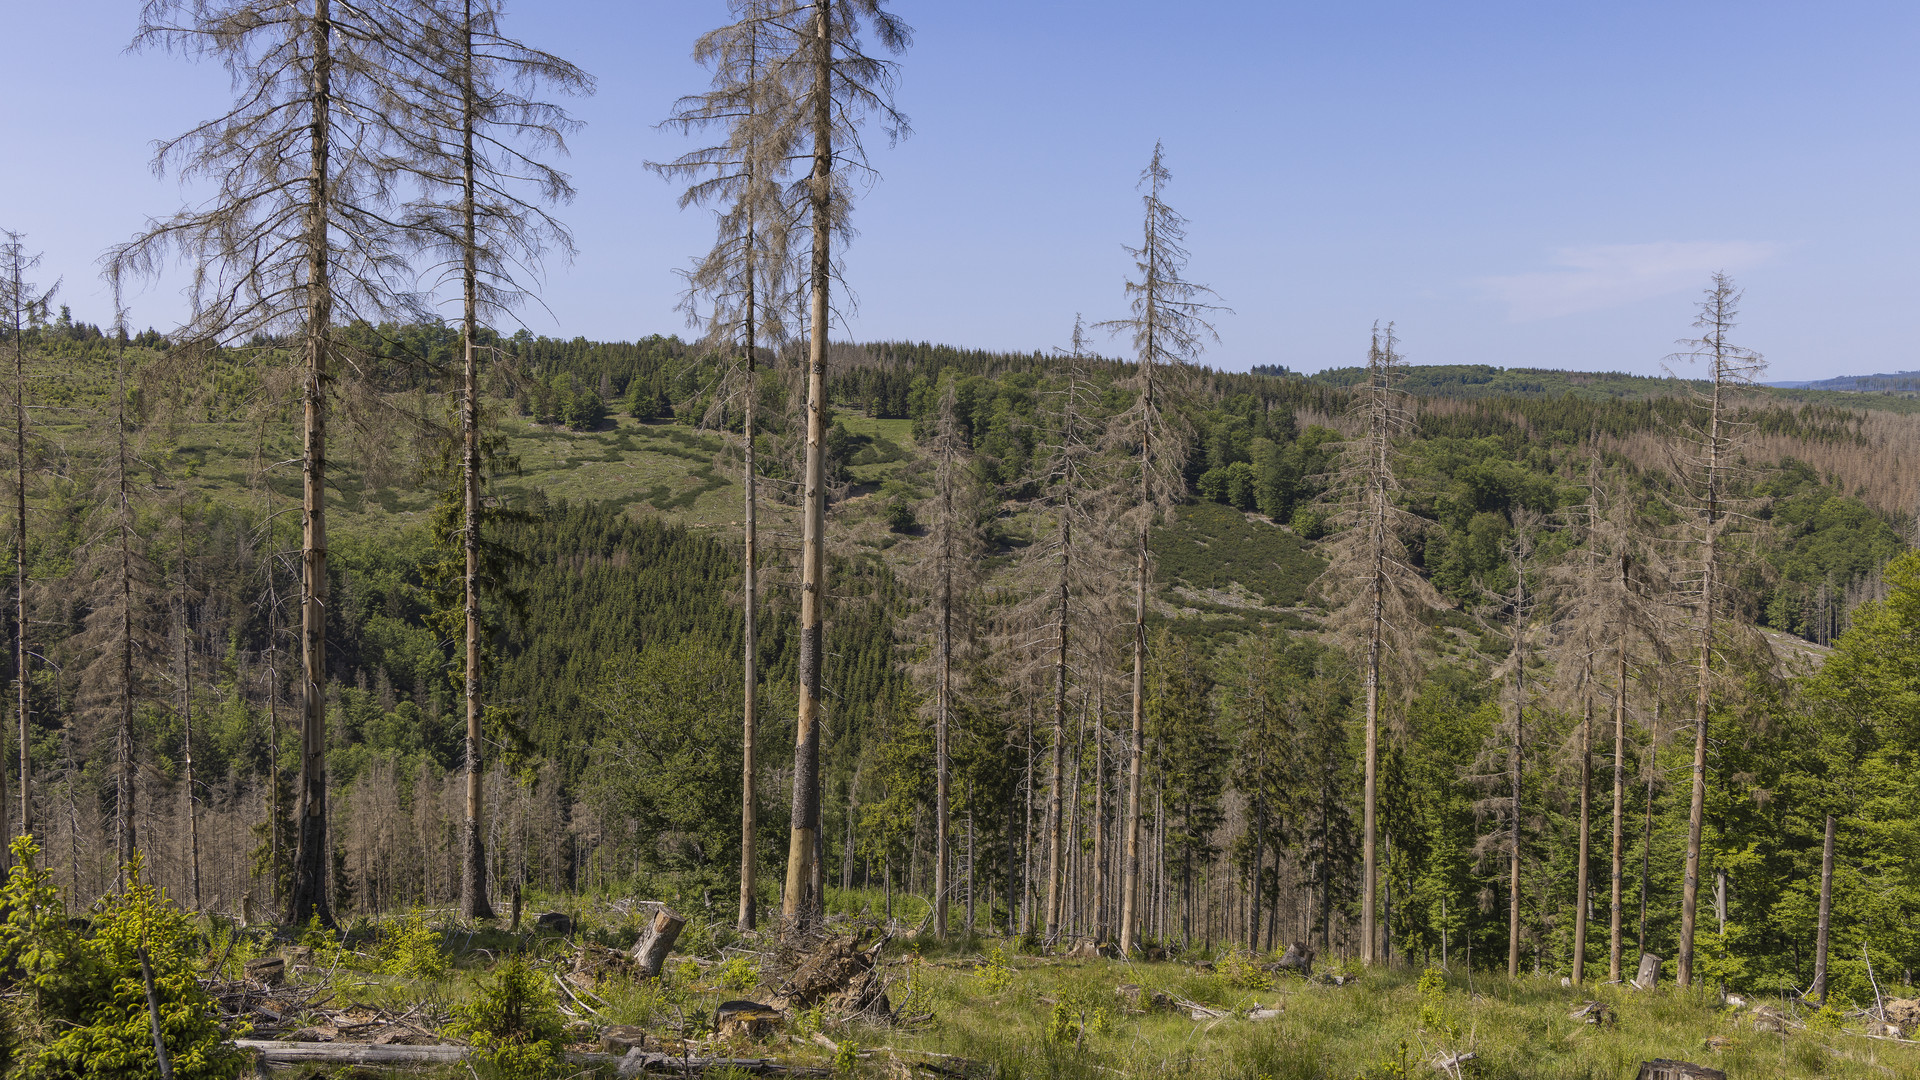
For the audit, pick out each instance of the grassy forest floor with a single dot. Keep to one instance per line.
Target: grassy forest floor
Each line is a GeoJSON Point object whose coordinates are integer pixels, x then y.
{"type": "Point", "coordinates": [981, 1008]}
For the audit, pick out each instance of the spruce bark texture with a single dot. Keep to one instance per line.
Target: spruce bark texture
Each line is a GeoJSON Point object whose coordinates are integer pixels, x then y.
{"type": "Point", "coordinates": [474, 149]}
{"type": "Point", "coordinates": [739, 289]}
{"type": "Point", "coordinates": [298, 231]}
{"type": "Point", "coordinates": [1712, 450]}
{"type": "Point", "coordinates": [837, 86]}
{"type": "Point", "coordinates": [1169, 325]}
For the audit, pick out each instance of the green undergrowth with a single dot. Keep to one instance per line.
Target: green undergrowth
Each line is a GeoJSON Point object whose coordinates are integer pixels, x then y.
{"type": "Point", "coordinates": [1013, 1014]}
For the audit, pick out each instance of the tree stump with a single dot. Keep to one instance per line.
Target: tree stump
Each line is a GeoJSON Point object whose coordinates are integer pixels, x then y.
{"type": "Point", "coordinates": [748, 1019]}
{"type": "Point", "coordinates": [1662, 1069]}
{"type": "Point", "coordinates": [1297, 958]}
{"type": "Point", "coordinates": [1649, 972]}
{"type": "Point", "coordinates": [268, 971]}
{"type": "Point", "coordinates": [651, 954]}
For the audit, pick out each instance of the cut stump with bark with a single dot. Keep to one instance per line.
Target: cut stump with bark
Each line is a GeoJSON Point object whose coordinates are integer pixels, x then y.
{"type": "Point", "coordinates": [1662, 1069]}
{"type": "Point", "coordinates": [651, 954]}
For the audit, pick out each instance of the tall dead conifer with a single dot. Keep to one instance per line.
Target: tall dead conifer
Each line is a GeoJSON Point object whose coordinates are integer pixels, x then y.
{"type": "Point", "coordinates": [1169, 326]}
{"type": "Point", "coordinates": [22, 301]}
{"type": "Point", "coordinates": [1607, 618]}
{"type": "Point", "coordinates": [296, 234]}
{"type": "Point", "coordinates": [474, 149]}
{"type": "Point", "coordinates": [837, 86]}
{"type": "Point", "coordinates": [1703, 468]}
{"type": "Point", "coordinates": [740, 289]}
{"type": "Point", "coordinates": [1370, 581]}
{"type": "Point", "coordinates": [1063, 571]}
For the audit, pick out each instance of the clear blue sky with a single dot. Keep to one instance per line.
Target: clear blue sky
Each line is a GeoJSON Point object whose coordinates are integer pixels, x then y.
{"type": "Point", "coordinates": [1522, 183]}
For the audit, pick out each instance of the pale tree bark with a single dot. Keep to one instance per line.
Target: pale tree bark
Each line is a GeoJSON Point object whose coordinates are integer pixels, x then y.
{"type": "Point", "coordinates": [749, 622]}
{"type": "Point", "coordinates": [123, 729]}
{"type": "Point", "coordinates": [1055, 843]}
{"type": "Point", "coordinates": [1819, 990]}
{"type": "Point", "coordinates": [1583, 871]}
{"type": "Point", "coordinates": [1520, 558]}
{"type": "Point", "coordinates": [21, 299]}
{"type": "Point", "coordinates": [840, 84]}
{"type": "Point", "coordinates": [186, 711]}
{"type": "Point", "coordinates": [1618, 867]}
{"type": "Point", "coordinates": [802, 905]}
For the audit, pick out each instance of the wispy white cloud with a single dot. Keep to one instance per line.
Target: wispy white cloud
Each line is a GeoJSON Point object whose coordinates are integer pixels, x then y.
{"type": "Point", "coordinates": [1609, 275]}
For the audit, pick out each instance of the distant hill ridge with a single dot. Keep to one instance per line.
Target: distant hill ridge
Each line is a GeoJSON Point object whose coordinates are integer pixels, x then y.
{"type": "Point", "coordinates": [1898, 382]}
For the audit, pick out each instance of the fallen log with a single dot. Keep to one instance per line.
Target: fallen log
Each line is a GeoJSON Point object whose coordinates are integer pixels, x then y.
{"type": "Point", "coordinates": [635, 1063]}
{"type": "Point", "coordinates": [275, 1052]}
{"type": "Point", "coordinates": [639, 1061]}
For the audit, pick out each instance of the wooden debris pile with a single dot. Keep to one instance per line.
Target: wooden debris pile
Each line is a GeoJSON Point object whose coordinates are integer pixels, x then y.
{"type": "Point", "coordinates": [1597, 1013]}
{"type": "Point", "coordinates": [834, 972]}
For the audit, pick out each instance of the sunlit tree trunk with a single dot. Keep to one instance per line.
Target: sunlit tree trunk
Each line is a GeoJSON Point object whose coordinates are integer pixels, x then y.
{"type": "Point", "coordinates": [309, 898]}
{"type": "Point", "coordinates": [802, 903]}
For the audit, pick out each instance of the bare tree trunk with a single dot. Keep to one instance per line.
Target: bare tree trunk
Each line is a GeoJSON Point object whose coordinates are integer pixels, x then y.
{"type": "Point", "coordinates": [123, 735]}
{"type": "Point", "coordinates": [1513, 867]}
{"type": "Point", "coordinates": [970, 922]}
{"type": "Point", "coordinates": [750, 614]}
{"type": "Point", "coordinates": [1646, 842]}
{"type": "Point", "coordinates": [802, 904]}
{"type": "Point", "coordinates": [186, 713]}
{"type": "Point", "coordinates": [21, 673]}
{"type": "Point", "coordinates": [1101, 853]}
{"type": "Point", "coordinates": [473, 862]}
{"type": "Point", "coordinates": [1696, 814]}
{"type": "Point", "coordinates": [944, 706]}
{"type": "Point", "coordinates": [1054, 808]}
{"type": "Point", "coordinates": [1819, 991]}
{"type": "Point", "coordinates": [310, 859]}
{"type": "Point", "coordinates": [1130, 883]}
{"type": "Point", "coordinates": [1619, 799]}
{"type": "Point", "coordinates": [1586, 832]}
{"type": "Point", "coordinates": [1369, 814]}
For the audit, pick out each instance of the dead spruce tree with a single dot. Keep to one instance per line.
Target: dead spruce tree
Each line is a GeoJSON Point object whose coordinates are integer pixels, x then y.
{"type": "Point", "coordinates": [1169, 326]}
{"type": "Point", "coordinates": [1370, 582]}
{"type": "Point", "coordinates": [949, 567]}
{"type": "Point", "coordinates": [1518, 607]}
{"type": "Point", "coordinates": [297, 234]}
{"type": "Point", "coordinates": [474, 144]}
{"type": "Point", "coordinates": [1064, 572]}
{"type": "Point", "coordinates": [1711, 447]}
{"type": "Point", "coordinates": [837, 86]}
{"type": "Point", "coordinates": [117, 632]}
{"type": "Point", "coordinates": [21, 303]}
{"type": "Point", "coordinates": [1608, 619]}
{"type": "Point", "coordinates": [741, 288]}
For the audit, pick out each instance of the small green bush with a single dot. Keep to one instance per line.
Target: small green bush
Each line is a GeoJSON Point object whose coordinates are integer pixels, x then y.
{"type": "Point", "coordinates": [996, 975]}
{"type": "Point", "coordinates": [412, 950]}
{"type": "Point", "coordinates": [739, 973]}
{"type": "Point", "coordinates": [513, 1024]}
{"type": "Point", "coordinates": [85, 1010]}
